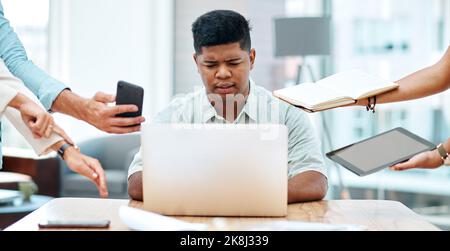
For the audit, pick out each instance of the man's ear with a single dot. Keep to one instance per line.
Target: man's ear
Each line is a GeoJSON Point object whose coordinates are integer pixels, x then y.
{"type": "Point", "coordinates": [252, 58]}
{"type": "Point", "coordinates": [194, 55]}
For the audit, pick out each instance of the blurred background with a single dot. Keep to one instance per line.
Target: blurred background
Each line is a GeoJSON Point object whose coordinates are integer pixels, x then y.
{"type": "Point", "coordinates": [91, 44]}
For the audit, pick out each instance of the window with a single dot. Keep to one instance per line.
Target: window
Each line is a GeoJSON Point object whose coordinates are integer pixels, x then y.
{"type": "Point", "coordinates": [268, 73]}
{"type": "Point", "coordinates": [387, 39]}
{"type": "Point", "coordinates": [390, 40]}
{"type": "Point", "coordinates": [29, 19]}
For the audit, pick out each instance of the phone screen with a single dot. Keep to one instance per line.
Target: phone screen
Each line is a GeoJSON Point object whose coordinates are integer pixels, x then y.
{"type": "Point", "coordinates": [129, 94]}
{"type": "Point", "coordinates": [92, 223]}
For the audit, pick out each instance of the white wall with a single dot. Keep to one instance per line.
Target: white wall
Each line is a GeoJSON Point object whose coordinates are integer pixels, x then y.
{"type": "Point", "coordinates": [267, 71]}
{"type": "Point", "coordinates": [419, 31]}
{"type": "Point", "coordinates": [93, 44]}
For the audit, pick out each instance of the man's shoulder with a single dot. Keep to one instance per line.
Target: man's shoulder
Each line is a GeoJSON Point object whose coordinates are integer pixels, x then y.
{"type": "Point", "coordinates": [183, 99]}
{"type": "Point", "coordinates": [292, 113]}
{"type": "Point", "coordinates": [180, 105]}
{"type": "Point", "coordinates": [259, 90]}
{"type": "Point", "coordinates": [265, 94]}
{"type": "Point", "coordinates": [262, 92]}
{"type": "Point", "coordinates": [295, 113]}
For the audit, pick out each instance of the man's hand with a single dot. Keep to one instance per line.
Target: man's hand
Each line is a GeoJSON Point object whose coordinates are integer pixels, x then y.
{"type": "Point", "coordinates": [63, 134]}
{"type": "Point", "coordinates": [430, 160]}
{"type": "Point", "coordinates": [88, 167]}
{"type": "Point", "coordinates": [96, 112]}
{"type": "Point", "coordinates": [39, 121]}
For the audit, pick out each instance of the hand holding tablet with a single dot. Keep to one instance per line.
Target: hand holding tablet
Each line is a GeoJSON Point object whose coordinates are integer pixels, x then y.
{"type": "Point", "coordinates": [380, 151]}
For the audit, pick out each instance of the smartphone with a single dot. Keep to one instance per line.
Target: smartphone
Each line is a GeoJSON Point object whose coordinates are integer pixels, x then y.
{"type": "Point", "coordinates": [94, 223]}
{"type": "Point", "coordinates": [129, 94]}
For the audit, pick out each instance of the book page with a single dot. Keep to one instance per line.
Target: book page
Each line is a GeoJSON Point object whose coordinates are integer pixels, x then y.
{"type": "Point", "coordinates": [139, 219]}
{"type": "Point", "coordinates": [308, 95]}
{"type": "Point", "coordinates": [305, 226]}
{"type": "Point", "coordinates": [356, 83]}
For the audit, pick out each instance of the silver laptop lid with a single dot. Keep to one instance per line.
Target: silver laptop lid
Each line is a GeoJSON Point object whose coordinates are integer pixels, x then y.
{"type": "Point", "coordinates": [199, 169]}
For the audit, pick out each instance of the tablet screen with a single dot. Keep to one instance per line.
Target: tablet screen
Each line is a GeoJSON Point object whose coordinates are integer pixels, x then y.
{"type": "Point", "coordinates": [381, 151]}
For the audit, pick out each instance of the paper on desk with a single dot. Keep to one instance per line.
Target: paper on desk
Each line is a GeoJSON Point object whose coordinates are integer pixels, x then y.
{"type": "Point", "coordinates": [305, 226]}
{"type": "Point", "coordinates": [138, 219]}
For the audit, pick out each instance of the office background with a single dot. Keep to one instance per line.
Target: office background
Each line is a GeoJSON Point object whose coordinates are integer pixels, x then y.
{"type": "Point", "coordinates": [90, 44]}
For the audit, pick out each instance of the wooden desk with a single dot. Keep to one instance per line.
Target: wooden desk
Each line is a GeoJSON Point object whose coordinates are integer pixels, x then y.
{"type": "Point", "coordinates": [19, 208]}
{"type": "Point", "coordinates": [376, 214]}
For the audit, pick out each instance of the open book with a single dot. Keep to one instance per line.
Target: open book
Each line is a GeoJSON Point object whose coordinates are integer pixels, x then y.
{"type": "Point", "coordinates": [336, 90]}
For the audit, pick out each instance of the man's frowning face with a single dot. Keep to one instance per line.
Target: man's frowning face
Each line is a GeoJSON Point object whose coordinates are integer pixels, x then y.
{"type": "Point", "coordinates": [225, 69]}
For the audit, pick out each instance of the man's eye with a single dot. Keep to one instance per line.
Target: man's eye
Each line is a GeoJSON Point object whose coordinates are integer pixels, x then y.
{"type": "Point", "coordinates": [210, 65]}
{"type": "Point", "coordinates": [235, 63]}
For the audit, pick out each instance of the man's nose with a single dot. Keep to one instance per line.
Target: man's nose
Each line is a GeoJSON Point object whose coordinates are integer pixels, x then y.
{"type": "Point", "coordinates": [223, 72]}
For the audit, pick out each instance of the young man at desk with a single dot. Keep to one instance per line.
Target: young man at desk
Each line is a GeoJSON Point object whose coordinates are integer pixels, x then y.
{"type": "Point", "coordinates": [224, 59]}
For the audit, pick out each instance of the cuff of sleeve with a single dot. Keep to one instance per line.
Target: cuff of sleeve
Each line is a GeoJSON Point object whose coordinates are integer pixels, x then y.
{"type": "Point", "coordinates": [40, 146]}
{"type": "Point", "coordinates": [136, 164]}
{"type": "Point", "coordinates": [52, 90]}
{"type": "Point", "coordinates": [7, 95]}
{"type": "Point", "coordinates": [133, 169]}
{"type": "Point", "coordinates": [43, 146]}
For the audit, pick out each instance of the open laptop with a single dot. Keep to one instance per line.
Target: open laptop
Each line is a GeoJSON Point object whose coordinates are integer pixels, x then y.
{"type": "Point", "coordinates": [215, 170]}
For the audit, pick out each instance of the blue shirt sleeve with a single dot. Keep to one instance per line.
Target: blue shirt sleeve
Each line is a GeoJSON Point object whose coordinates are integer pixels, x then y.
{"type": "Point", "coordinates": [13, 54]}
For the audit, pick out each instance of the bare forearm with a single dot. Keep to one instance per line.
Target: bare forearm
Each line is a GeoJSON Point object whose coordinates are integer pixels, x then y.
{"type": "Point", "coordinates": [135, 186]}
{"type": "Point", "coordinates": [71, 104]}
{"type": "Point", "coordinates": [18, 100]}
{"type": "Point", "coordinates": [420, 84]}
{"type": "Point", "coordinates": [425, 82]}
{"type": "Point", "coordinates": [447, 145]}
{"type": "Point", "coordinates": [96, 112]}
{"type": "Point", "coordinates": [307, 186]}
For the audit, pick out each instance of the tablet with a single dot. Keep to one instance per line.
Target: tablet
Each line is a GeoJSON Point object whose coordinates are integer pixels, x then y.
{"type": "Point", "coordinates": [380, 151]}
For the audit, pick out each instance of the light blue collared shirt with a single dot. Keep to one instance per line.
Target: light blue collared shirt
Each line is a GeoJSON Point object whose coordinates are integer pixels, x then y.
{"type": "Point", "coordinates": [13, 53]}
{"type": "Point", "coordinates": [261, 107]}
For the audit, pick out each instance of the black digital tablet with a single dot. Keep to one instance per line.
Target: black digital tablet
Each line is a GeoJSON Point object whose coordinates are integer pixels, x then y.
{"type": "Point", "coordinates": [380, 151]}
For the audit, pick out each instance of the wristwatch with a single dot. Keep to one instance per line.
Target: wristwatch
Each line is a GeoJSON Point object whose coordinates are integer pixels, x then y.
{"type": "Point", "coordinates": [63, 148]}
{"type": "Point", "coordinates": [444, 154]}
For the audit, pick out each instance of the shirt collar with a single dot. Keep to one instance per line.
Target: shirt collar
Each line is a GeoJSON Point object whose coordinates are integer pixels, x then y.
{"type": "Point", "coordinates": [250, 107]}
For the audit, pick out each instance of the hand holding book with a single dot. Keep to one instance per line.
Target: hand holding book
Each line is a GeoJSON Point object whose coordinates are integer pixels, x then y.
{"type": "Point", "coordinates": [337, 90]}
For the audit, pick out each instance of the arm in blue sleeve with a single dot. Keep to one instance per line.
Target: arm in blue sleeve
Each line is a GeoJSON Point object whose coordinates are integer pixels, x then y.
{"type": "Point", "coordinates": [13, 53]}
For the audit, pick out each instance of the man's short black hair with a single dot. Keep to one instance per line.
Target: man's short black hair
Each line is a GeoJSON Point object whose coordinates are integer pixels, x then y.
{"type": "Point", "coordinates": [221, 27]}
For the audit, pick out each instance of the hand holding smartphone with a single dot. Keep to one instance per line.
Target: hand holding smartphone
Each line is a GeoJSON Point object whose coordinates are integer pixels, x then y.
{"type": "Point", "coordinates": [129, 94]}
